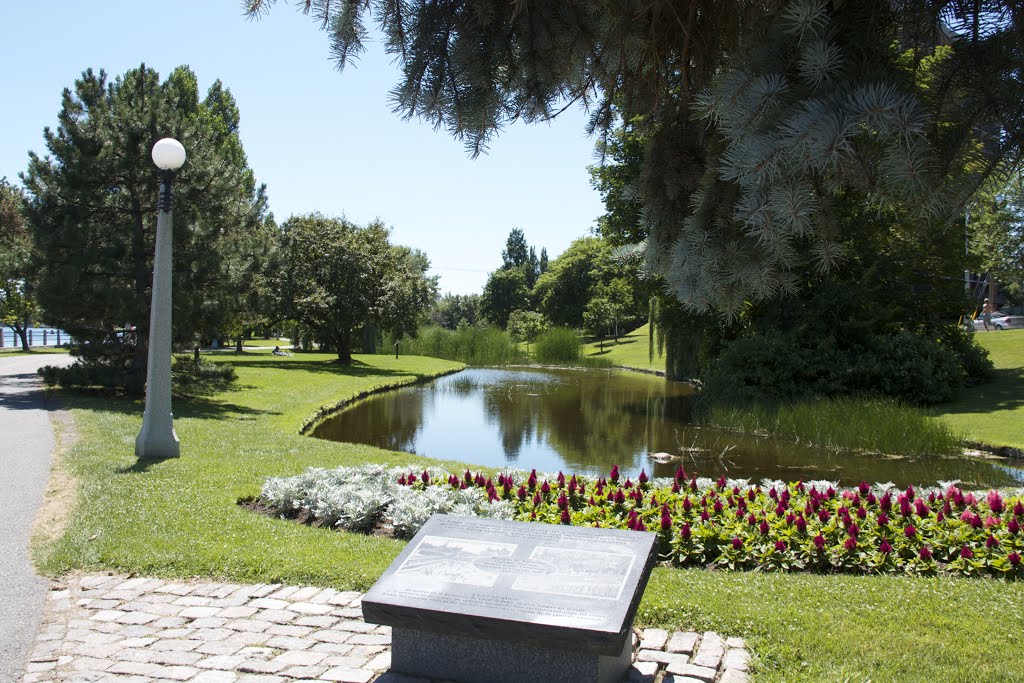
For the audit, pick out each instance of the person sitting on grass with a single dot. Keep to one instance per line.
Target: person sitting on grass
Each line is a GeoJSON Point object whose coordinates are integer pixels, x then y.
{"type": "Point", "coordinates": [279, 352]}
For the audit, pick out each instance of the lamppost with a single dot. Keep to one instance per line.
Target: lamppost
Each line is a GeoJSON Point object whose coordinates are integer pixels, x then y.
{"type": "Point", "coordinates": [157, 438]}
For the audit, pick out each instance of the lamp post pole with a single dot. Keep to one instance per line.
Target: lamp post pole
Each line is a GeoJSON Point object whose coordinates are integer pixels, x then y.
{"type": "Point", "coordinates": [157, 438]}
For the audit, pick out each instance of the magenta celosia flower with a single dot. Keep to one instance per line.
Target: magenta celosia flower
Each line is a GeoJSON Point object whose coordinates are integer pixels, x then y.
{"type": "Point", "coordinates": [966, 516]}
{"type": "Point", "coordinates": [773, 494]}
{"type": "Point", "coordinates": [401, 480]}
{"type": "Point", "coordinates": [861, 513]}
{"type": "Point", "coordinates": [628, 484]}
{"type": "Point", "coordinates": [619, 497]}
{"type": "Point", "coordinates": [675, 487]}
{"type": "Point", "coordinates": [1014, 558]}
{"type": "Point", "coordinates": [735, 490]}
{"type": "Point", "coordinates": [565, 517]}
{"type": "Point", "coordinates": [751, 495]}
{"type": "Point", "coordinates": [680, 475]}
{"type": "Point", "coordinates": [863, 488]}
{"type": "Point", "coordinates": [991, 541]}
{"type": "Point", "coordinates": [763, 527]}
{"type": "Point", "coordinates": [885, 502]}
{"type": "Point", "coordinates": [790, 518]}
{"type": "Point", "coordinates": [819, 542]}
{"type": "Point", "coordinates": [921, 508]}
{"type": "Point", "coordinates": [910, 493]}
{"type": "Point", "coordinates": [925, 554]}
{"type": "Point", "coordinates": [704, 516]}
{"type": "Point", "coordinates": [851, 544]}
{"type": "Point", "coordinates": [991, 521]}
{"type": "Point", "coordinates": [467, 477]}
{"type": "Point", "coordinates": [531, 481]}
{"type": "Point", "coordinates": [736, 543]}
{"type": "Point", "coordinates": [572, 486]}
{"type": "Point", "coordinates": [721, 483]}
{"type": "Point", "coordinates": [780, 546]}
{"type": "Point", "coordinates": [687, 505]}
{"type": "Point", "coordinates": [966, 553]}
{"type": "Point", "coordinates": [939, 517]}
{"type": "Point", "coordinates": [947, 509]}
{"type": "Point", "coordinates": [643, 477]}
{"type": "Point", "coordinates": [801, 524]}
{"type": "Point", "coordinates": [882, 519]}
{"type": "Point", "coordinates": [740, 513]}
{"type": "Point", "coordinates": [751, 519]}
{"type": "Point", "coordinates": [640, 526]}
{"type": "Point", "coordinates": [693, 484]}
{"type": "Point", "coordinates": [871, 499]}
{"type": "Point", "coordinates": [905, 509]}
{"type": "Point", "coordinates": [592, 502]}
{"type": "Point", "coordinates": [718, 507]}
{"type": "Point", "coordinates": [453, 481]}
{"type": "Point", "coordinates": [536, 499]}
{"type": "Point", "coordinates": [545, 488]}
{"type": "Point", "coordinates": [521, 493]}
{"type": "Point", "coordinates": [492, 495]}
{"type": "Point", "coordinates": [853, 530]}
{"type": "Point", "coordinates": [685, 532]}
{"type": "Point", "coordinates": [480, 480]}
{"type": "Point", "coordinates": [884, 547]}
{"type": "Point", "coordinates": [910, 531]}
{"type": "Point", "coordinates": [654, 500]}
{"type": "Point", "coordinates": [976, 522]}
{"type": "Point", "coordinates": [1013, 526]}
{"type": "Point", "coordinates": [488, 485]}
{"type": "Point", "coordinates": [562, 502]}
{"type": "Point", "coordinates": [599, 489]}
{"type": "Point", "coordinates": [931, 497]}
{"type": "Point", "coordinates": [533, 516]}
{"type": "Point", "coordinates": [425, 478]}
{"type": "Point", "coordinates": [823, 516]}
{"type": "Point", "coordinates": [560, 479]}
{"type": "Point", "coordinates": [779, 509]}
{"type": "Point", "coordinates": [1018, 509]}
{"type": "Point", "coordinates": [614, 474]}
{"type": "Point", "coordinates": [831, 492]}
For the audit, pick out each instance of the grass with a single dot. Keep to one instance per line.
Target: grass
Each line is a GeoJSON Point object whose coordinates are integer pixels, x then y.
{"type": "Point", "coordinates": [860, 424]}
{"type": "Point", "coordinates": [993, 413]}
{"type": "Point", "coordinates": [35, 350]}
{"type": "Point", "coordinates": [283, 342]}
{"type": "Point", "coordinates": [475, 345]}
{"type": "Point", "coordinates": [179, 518]}
{"type": "Point", "coordinates": [631, 351]}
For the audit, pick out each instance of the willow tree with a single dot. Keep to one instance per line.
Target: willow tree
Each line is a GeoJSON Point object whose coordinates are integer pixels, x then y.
{"type": "Point", "coordinates": [758, 116]}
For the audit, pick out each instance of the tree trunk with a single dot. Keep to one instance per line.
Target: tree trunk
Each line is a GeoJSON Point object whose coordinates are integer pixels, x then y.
{"type": "Point", "coordinates": [344, 349]}
{"type": "Point", "coordinates": [238, 345]}
{"type": "Point", "coordinates": [195, 356]}
{"type": "Point", "coordinates": [22, 331]}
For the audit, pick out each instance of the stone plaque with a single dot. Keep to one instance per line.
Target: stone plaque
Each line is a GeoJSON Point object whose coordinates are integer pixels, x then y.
{"type": "Point", "coordinates": [550, 586]}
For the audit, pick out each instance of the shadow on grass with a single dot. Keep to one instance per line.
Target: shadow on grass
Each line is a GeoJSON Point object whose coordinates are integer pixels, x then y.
{"type": "Point", "coordinates": [1004, 392]}
{"type": "Point", "coordinates": [195, 407]}
{"type": "Point", "coordinates": [356, 369]}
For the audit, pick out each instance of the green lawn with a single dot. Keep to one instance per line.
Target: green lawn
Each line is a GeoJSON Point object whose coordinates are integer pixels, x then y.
{"type": "Point", "coordinates": [631, 350]}
{"type": "Point", "coordinates": [179, 518]}
{"type": "Point", "coordinates": [283, 342]}
{"type": "Point", "coordinates": [16, 351]}
{"type": "Point", "coordinates": [993, 413]}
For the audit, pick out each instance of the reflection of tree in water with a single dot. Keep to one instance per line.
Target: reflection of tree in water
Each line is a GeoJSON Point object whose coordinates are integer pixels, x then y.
{"type": "Point", "coordinates": [513, 407]}
{"type": "Point", "coordinates": [389, 421]}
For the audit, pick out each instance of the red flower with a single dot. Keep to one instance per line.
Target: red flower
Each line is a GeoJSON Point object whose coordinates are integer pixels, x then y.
{"type": "Point", "coordinates": [704, 516]}
{"type": "Point", "coordinates": [521, 493]}
{"type": "Point", "coordinates": [565, 517]}
{"type": "Point", "coordinates": [885, 502]}
{"type": "Point", "coordinates": [562, 502]}
{"type": "Point", "coordinates": [991, 541]}
{"type": "Point", "coordinates": [640, 526]}
{"type": "Point", "coordinates": [687, 505]}
{"type": "Point", "coordinates": [885, 548]}
{"type": "Point", "coordinates": [736, 543]}
{"type": "Point", "coordinates": [425, 478]}
{"type": "Point", "coordinates": [545, 489]}
{"type": "Point", "coordinates": [1014, 559]}
{"type": "Point", "coordinates": [573, 485]}
{"type": "Point", "coordinates": [675, 487]}
{"type": "Point", "coordinates": [1012, 526]}
{"type": "Point", "coordinates": [763, 527]}
{"type": "Point", "coordinates": [851, 544]}
{"type": "Point", "coordinates": [751, 495]}
{"type": "Point", "coordinates": [920, 508]}
{"type": "Point", "coordinates": [966, 553]}
{"type": "Point", "coordinates": [861, 513]}
{"type": "Point", "coordinates": [643, 477]}
{"type": "Point", "coordinates": [531, 481]}
{"type": "Point", "coordinates": [1018, 509]}
{"type": "Point", "coordinates": [467, 477]}
{"type": "Point", "coordinates": [536, 499]}
{"type": "Point", "coordinates": [751, 519]}
{"type": "Point", "coordinates": [882, 519]}
{"type": "Point", "coordinates": [780, 546]}
{"type": "Point", "coordinates": [910, 531]}
{"type": "Point", "coordinates": [823, 516]}
{"type": "Point", "coordinates": [666, 520]}
{"type": "Point", "coordinates": [819, 542]}
{"type": "Point", "coordinates": [773, 494]}
{"type": "Point", "coordinates": [685, 532]}
{"type": "Point", "coordinates": [614, 474]}
{"type": "Point", "coordinates": [628, 484]}
{"type": "Point", "coordinates": [561, 479]}
{"type": "Point", "coordinates": [864, 488]}
{"type": "Point", "coordinates": [790, 518]}
{"type": "Point", "coordinates": [619, 498]}
{"type": "Point", "coordinates": [718, 507]}
{"type": "Point", "coordinates": [401, 480]}
{"type": "Point", "coordinates": [925, 554]}
{"type": "Point", "coordinates": [680, 476]}
{"type": "Point", "coordinates": [800, 487]}
{"type": "Point", "coordinates": [801, 524]}
{"type": "Point", "coordinates": [853, 530]}
{"type": "Point", "coordinates": [693, 484]}
{"type": "Point", "coordinates": [721, 483]}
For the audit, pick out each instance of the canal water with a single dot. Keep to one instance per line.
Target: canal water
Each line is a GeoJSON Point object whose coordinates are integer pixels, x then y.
{"type": "Point", "coordinates": [585, 421]}
{"type": "Point", "coordinates": [41, 336]}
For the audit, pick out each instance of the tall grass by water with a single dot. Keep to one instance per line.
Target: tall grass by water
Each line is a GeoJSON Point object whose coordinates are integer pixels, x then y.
{"type": "Point", "coordinates": [877, 426]}
{"type": "Point", "coordinates": [557, 345]}
{"type": "Point", "coordinates": [475, 345]}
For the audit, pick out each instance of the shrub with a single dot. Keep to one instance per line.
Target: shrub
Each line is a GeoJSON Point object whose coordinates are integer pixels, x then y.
{"type": "Point", "coordinates": [558, 345]}
{"type": "Point", "coordinates": [473, 345]}
{"type": "Point", "coordinates": [195, 378]}
{"type": "Point", "coordinates": [90, 375]}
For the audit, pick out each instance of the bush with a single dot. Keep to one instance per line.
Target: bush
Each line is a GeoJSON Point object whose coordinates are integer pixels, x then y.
{"type": "Point", "coordinates": [195, 378]}
{"type": "Point", "coordinates": [558, 345]}
{"type": "Point", "coordinates": [90, 375]}
{"type": "Point", "coordinates": [773, 367]}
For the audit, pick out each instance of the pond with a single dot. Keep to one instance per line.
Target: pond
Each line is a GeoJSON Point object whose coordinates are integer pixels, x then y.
{"type": "Point", "coordinates": [585, 421]}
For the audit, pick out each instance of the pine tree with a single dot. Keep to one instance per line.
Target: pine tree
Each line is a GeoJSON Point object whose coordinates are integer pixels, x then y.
{"type": "Point", "coordinates": [92, 211]}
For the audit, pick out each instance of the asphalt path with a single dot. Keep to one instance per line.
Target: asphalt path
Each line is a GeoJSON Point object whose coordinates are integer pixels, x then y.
{"type": "Point", "coordinates": [26, 447]}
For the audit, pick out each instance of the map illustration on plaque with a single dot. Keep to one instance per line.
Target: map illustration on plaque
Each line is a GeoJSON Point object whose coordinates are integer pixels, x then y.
{"type": "Point", "coordinates": [579, 573]}
{"type": "Point", "coordinates": [455, 560]}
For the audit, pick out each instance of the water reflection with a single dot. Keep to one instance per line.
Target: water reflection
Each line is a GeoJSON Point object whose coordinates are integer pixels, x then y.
{"type": "Point", "coordinates": [586, 421]}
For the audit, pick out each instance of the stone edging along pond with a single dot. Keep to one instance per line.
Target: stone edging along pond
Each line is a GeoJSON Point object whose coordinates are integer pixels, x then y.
{"type": "Point", "coordinates": [325, 411]}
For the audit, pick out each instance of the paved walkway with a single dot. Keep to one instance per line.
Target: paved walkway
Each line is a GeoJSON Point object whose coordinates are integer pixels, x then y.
{"type": "Point", "coordinates": [101, 628]}
{"type": "Point", "coordinates": [24, 469]}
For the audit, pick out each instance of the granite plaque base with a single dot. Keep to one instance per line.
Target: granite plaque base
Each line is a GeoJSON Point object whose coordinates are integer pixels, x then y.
{"type": "Point", "coordinates": [474, 660]}
{"type": "Point", "coordinates": [471, 597]}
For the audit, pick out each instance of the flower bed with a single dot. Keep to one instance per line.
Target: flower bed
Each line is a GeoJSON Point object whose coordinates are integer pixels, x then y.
{"type": "Point", "coordinates": [726, 523]}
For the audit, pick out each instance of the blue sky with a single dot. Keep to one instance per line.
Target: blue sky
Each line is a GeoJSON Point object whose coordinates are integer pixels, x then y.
{"type": "Point", "coordinates": [321, 140]}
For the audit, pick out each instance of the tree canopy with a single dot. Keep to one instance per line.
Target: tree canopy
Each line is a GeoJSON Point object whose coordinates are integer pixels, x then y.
{"type": "Point", "coordinates": [758, 116]}
{"type": "Point", "coordinates": [339, 277]}
{"type": "Point", "coordinates": [17, 304]}
{"type": "Point", "coordinates": [91, 210]}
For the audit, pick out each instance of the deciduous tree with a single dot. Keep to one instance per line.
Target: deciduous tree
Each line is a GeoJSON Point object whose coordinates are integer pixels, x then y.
{"type": "Point", "coordinates": [17, 305]}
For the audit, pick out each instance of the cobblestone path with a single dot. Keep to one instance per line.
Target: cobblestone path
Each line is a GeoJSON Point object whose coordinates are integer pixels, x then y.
{"type": "Point", "coordinates": [136, 630]}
